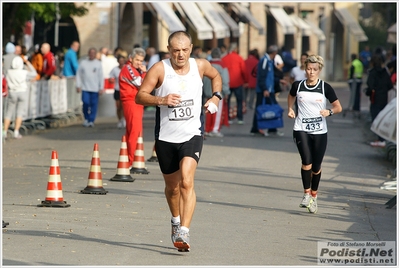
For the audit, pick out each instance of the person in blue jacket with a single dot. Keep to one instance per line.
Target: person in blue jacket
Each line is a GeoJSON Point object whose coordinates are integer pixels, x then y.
{"type": "Point", "coordinates": [71, 60]}
{"type": "Point", "coordinates": [265, 87]}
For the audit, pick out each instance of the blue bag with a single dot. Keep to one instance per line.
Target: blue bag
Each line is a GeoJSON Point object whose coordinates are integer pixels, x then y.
{"type": "Point", "coordinates": [269, 115]}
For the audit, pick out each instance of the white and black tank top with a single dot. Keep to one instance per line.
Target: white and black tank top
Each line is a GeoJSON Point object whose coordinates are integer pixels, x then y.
{"type": "Point", "coordinates": [180, 123]}
{"type": "Point", "coordinates": [310, 101]}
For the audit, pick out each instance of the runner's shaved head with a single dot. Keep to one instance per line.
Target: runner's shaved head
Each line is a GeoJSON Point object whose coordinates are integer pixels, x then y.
{"type": "Point", "coordinates": [179, 34]}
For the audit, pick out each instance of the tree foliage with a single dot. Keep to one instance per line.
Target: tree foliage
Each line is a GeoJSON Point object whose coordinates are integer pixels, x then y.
{"type": "Point", "coordinates": [384, 15]}
{"type": "Point", "coordinates": [387, 11]}
{"type": "Point", "coordinates": [16, 14]}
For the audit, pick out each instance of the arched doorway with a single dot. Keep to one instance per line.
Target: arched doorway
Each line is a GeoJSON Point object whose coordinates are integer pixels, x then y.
{"type": "Point", "coordinates": [131, 25]}
{"type": "Point", "coordinates": [45, 32]}
{"type": "Point", "coordinates": [126, 27]}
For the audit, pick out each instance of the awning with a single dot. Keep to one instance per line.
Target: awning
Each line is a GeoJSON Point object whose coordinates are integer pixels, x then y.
{"type": "Point", "coordinates": [167, 15]}
{"type": "Point", "coordinates": [219, 26]}
{"type": "Point", "coordinates": [392, 34]}
{"type": "Point", "coordinates": [244, 12]}
{"type": "Point", "coordinates": [283, 19]}
{"type": "Point", "coordinates": [301, 24]}
{"type": "Point", "coordinates": [235, 30]}
{"type": "Point", "coordinates": [347, 19]}
{"type": "Point", "coordinates": [199, 23]}
{"type": "Point", "coordinates": [316, 30]}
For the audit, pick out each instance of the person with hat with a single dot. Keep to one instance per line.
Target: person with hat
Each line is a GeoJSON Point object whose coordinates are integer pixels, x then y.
{"type": "Point", "coordinates": [8, 57]}
{"type": "Point", "coordinates": [17, 78]}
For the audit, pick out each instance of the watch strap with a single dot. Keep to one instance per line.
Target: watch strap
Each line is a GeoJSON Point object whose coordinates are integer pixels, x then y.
{"type": "Point", "coordinates": [217, 94]}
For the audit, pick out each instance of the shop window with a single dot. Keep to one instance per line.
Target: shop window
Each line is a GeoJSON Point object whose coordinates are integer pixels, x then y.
{"type": "Point", "coordinates": [305, 43]}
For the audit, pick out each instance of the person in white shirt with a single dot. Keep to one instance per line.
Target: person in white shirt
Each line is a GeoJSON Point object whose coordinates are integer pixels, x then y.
{"type": "Point", "coordinates": [114, 79]}
{"type": "Point", "coordinates": [90, 81]}
{"type": "Point", "coordinates": [108, 62]}
{"type": "Point", "coordinates": [179, 125]}
{"type": "Point", "coordinates": [310, 126]}
{"type": "Point", "coordinates": [298, 73]}
{"type": "Point", "coordinates": [17, 77]}
{"type": "Point", "coordinates": [278, 62]}
{"type": "Point", "coordinates": [149, 52]}
{"type": "Point", "coordinates": [153, 59]}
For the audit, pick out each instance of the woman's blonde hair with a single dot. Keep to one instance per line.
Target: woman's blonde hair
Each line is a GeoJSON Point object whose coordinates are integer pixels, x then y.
{"type": "Point", "coordinates": [315, 59]}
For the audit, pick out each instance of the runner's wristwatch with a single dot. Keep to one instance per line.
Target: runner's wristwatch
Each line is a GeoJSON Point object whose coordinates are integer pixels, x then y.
{"type": "Point", "coordinates": [331, 112]}
{"type": "Point", "coordinates": [217, 94]}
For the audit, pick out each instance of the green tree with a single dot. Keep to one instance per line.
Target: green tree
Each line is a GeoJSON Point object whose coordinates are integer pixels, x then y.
{"type": "Point", "coordinates": [15, 15]}
{"type": "Point", "coordinates": [383, 16]}
{"type": "Point", "coordinates": [387, 11]}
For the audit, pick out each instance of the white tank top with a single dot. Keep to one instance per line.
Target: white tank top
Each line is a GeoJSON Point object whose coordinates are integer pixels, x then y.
{"type": "Point", "coordinates": [180, 123]}
{"type": "Point", "coordinates": [310, 101]}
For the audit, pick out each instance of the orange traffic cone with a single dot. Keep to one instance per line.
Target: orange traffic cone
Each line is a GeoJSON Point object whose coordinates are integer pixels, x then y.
{"type": "Point", "coordinates": [154, 157]}
{"type": "Point", "coordinates": [95, 183]}
{"type": "Point", "coordinates": [122, 170]}
{"type": "Point", "coordinates": [54, 196]}
{"type": "Point", "coordinates": [138, 166]}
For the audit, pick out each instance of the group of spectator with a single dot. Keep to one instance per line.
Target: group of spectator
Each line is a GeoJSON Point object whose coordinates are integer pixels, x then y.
{"type": "Point", "coordinates": [101, 68]}
{"type": "Point", "coordinates": [379, 69]}
{"type": "Point", "coordinates": [90, 74]}
{"type": "Point", "coordinates": [380, 84]}
{"type": "Point", "coordinates": [242, 83]}
{"type": "Point", "coordinates": [42, 59]}
{"type": "Point", "coordinates": [18, 69]}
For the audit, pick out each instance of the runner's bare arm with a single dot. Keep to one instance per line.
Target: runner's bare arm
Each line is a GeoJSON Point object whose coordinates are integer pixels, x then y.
{"type": "Point", "coordinates": [206, 69]}
{"type": "Point", "coordinates": [336, 108]}
{"type": "Point", "coordinates": [290, 102]}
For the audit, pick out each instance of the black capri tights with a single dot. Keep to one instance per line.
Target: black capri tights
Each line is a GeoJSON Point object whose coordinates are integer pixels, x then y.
{"type": "Point", "coordinates": [311, 148]}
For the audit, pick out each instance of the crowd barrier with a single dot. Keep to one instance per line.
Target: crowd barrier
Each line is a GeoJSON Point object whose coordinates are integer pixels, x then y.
{"type": "Point", "coordinates": [51, 103]}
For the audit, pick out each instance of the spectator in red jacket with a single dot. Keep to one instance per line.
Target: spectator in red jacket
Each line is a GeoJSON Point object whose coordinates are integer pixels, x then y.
{"type": "Point", "coordinates": [49, 65]}
{"type": "Point", "coordinates": [130, 78]}
{"type": "Point", "coordinates": [235, 64]}
{"type": "Point", "coordinates": [251, 64]}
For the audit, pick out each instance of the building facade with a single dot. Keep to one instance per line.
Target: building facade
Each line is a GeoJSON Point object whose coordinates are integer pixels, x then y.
{"type": "Point", "coordinates": [325, 28]}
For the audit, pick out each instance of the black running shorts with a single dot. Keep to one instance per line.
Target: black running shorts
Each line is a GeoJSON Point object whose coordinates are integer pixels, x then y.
{"type": "Point", "coordinates": [117, 95]}
{"type": "Point", "coordinates": [170, 154]}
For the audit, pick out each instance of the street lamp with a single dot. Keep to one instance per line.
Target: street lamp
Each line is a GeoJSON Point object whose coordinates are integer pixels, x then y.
{"type": "Point", "coordinates": [57, 20]}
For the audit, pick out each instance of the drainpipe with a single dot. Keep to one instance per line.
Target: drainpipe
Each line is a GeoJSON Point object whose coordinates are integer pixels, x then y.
{"type": "Point", "coordinates": [248, 33]}
{"type": "Point", "coordinates": [117, 24]}
{"type": "Point", "coordinates": [299, 36]}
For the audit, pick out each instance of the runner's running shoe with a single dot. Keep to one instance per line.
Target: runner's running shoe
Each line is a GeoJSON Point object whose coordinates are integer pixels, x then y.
{"type": "Point", "coordinates": [313, 205]}
{"type": "Point", "coordinates": [305, 201]}
{"type": "Point", "coordinates": [175, 231]}
{"type": "Point", "coordinates": [182, 241]}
